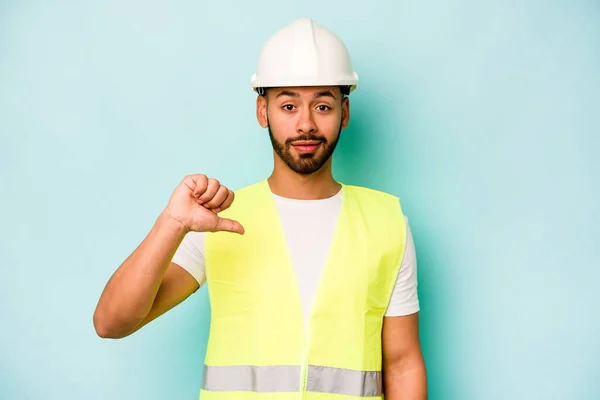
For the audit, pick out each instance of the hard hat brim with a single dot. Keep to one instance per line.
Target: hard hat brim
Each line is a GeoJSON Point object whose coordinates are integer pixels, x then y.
{"type": "Point", "coordinates": [351, 82]}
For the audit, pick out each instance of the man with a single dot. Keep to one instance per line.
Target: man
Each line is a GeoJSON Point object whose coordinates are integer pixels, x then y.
{"type": "Point", "coordinates": [312, 283]}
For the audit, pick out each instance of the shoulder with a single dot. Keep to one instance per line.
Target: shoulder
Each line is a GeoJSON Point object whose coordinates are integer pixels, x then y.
{"type": "Point", "coordinates": [247, 198]}
{"type": "Point", "coordinates": [249, 192]}
{"type": "Point", "coordinates": [250, 189]}
{"type": "Point", "coordinates": [375, 204]}
{"type": "Point", "coordinates": [362, 192]}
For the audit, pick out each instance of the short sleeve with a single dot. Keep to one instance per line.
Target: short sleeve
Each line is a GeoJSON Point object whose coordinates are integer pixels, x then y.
{"type": "Point", "coordinates": [190, 256]}
{"type": "Point", "coordinates": [404, 299]}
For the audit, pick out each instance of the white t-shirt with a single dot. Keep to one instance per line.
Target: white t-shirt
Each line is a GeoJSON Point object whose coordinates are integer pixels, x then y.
{"type": "Point", "coordinates": [309, 227]}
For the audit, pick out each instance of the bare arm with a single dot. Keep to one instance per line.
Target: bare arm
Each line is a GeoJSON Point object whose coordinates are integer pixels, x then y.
{"type": "Point", "coordinates": [145, 276]}
{"type": "Point", "coordinates": [148, 284]}
{"type": "Point", "coordinates": [404, 373]}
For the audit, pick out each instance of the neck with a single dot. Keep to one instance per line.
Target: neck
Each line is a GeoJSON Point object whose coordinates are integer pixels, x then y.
{"type": "Point", "coordinates": [319, 185]}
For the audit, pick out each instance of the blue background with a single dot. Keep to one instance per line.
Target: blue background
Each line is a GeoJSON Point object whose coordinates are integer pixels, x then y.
{"type": "Point", "coordinates": [482, 116]}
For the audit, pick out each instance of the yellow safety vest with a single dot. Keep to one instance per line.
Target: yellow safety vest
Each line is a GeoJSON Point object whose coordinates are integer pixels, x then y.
{"type": "Point", "coordinates": [259, 346]}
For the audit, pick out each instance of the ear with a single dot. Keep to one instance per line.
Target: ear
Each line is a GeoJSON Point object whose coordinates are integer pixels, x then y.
{"type": "Point", "coordinates": [261, 111]}
{"type": "Point", "coordinates": [345, 112]}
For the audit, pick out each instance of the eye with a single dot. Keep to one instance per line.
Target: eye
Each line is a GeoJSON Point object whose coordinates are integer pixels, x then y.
{"type": "Point", "coordinates": [323, 107]}
{"type": "Point", "coordinates": [288, 107]}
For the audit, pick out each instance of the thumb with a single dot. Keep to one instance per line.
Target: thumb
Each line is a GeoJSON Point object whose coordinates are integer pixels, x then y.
{"type": "Point", "coordinates": [229, 225]}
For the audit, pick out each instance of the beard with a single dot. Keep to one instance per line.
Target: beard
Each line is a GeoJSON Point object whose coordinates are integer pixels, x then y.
{"type": "Point", "coordinates": [305, 164]}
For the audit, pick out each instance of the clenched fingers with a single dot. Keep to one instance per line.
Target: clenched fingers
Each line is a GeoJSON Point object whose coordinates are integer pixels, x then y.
{"type": "Point", "coordinates": [211, 190]}
{"type": "Point", "coordinates": [227, 203]}
{"type": "Point", "coordinates": [196, 183]}
{"type": "Point", "coordinates": [218, 198]}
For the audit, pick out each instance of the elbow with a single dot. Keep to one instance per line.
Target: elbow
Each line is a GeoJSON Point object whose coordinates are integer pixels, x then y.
{"type": "Point", "coordinates": [107, 329]}
{"type": "Point", "coordinates": [102, 328]}
{"type": "Point", "coordinates": [104, 333]}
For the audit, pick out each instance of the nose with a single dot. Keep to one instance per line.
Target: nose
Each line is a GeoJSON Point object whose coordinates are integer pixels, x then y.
{"type": "Point", "coordinates": [306, 124]}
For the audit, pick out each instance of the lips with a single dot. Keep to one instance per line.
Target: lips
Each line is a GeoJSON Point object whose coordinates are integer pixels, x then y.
{"type": "Point", "coordinates": [306, 146]}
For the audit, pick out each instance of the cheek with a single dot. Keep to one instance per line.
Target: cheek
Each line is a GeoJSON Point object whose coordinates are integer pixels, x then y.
{"type": "Point", "coordinates": [280, 121]}
{"type": "Point", "coordinates": [329, 125]}
{"type": "Point", "coordinates": [281, 127]}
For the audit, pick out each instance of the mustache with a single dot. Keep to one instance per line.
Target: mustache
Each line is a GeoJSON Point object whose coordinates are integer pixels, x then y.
{"type": "Point", "coordinates": [305, 137]}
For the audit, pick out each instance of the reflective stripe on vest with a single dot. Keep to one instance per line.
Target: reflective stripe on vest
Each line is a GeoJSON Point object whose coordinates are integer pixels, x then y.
{"type": "Point", "coordinates": [281, 378]}
{"type": "Point", "coordinates": [344, 381]}
{"type": "Point", "coordinates": [286, 378]}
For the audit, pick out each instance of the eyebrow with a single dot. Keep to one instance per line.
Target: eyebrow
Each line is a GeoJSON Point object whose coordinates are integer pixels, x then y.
{"type": "Point", "coordinates": [325, 93]}
{"type": "Point", "coordinates": [288, 93]}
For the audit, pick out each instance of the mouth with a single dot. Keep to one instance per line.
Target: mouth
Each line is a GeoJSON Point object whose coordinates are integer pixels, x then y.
{"type": "Point", "coordinates": [306, 146]}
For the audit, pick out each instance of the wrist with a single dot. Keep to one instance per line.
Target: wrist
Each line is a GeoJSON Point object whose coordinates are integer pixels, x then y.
{"type": "Point", "coordinates": [169, 222]}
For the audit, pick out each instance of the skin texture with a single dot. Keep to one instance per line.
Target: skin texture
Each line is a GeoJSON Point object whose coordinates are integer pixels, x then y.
{"type": "Point", "coordinates": [404, 373]}
{"type": "Point", "coordinates": [147, 285]}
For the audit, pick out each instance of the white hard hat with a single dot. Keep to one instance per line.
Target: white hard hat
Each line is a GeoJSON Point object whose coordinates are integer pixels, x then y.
{"type": "Point", "coordinates": [304, 54]}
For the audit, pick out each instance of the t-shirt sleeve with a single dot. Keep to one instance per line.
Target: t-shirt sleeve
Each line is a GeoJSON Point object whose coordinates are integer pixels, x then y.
{"type": "Point", "coordinates": [404, 299]}
{"type": "Point", "coordinates": [190, 256]}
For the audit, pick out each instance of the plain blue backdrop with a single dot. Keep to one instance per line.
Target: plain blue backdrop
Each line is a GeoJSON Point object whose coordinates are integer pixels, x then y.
{"type": "Point", "coordinates": [482, 116]}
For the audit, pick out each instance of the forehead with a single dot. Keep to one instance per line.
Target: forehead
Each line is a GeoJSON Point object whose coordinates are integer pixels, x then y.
{"type": "Point", "coordinates": [305, 91]}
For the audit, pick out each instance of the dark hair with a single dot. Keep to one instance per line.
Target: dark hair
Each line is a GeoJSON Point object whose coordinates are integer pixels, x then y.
{"type": "Point", "coordinates": [344, 89]}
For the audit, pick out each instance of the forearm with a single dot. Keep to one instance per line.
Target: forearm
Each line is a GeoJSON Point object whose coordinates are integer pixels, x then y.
{"type": "Point", "coordinates": [130, 292]}
{"type": "Point", "coordinates": [405, 378]}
